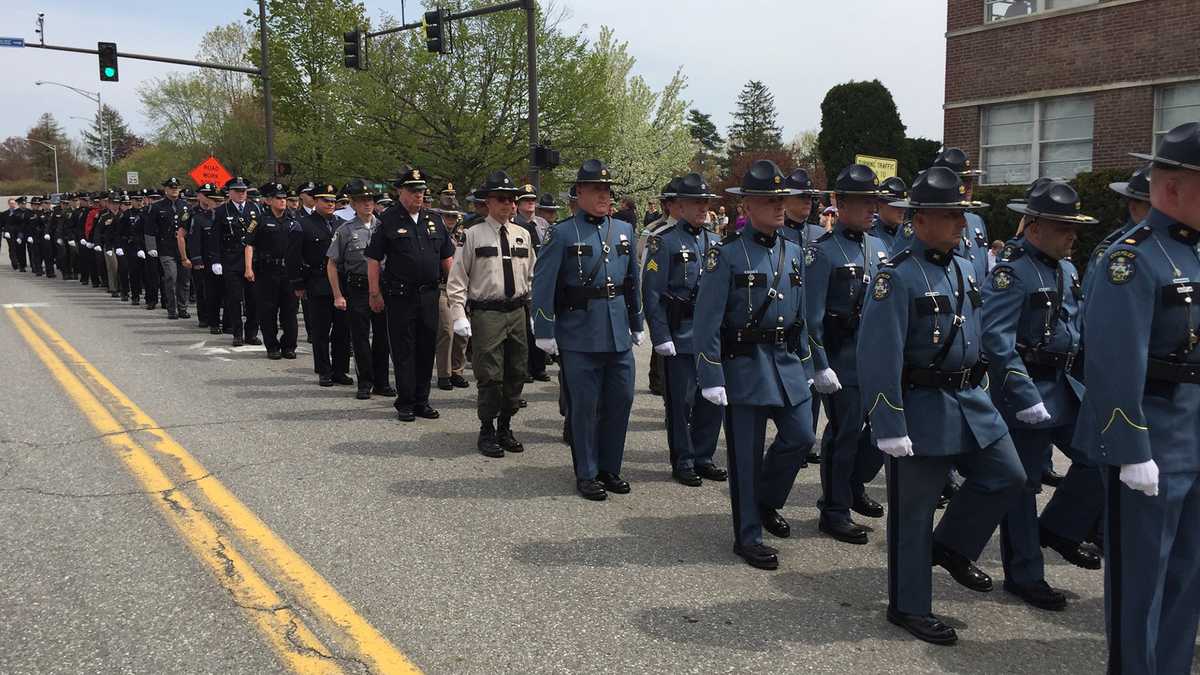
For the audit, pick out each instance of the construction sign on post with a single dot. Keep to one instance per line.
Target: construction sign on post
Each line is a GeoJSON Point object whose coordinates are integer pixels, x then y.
{"type": "Point", "coordinates": [210, 171]}
{"type": "Point", "coordinates": [883, 167]}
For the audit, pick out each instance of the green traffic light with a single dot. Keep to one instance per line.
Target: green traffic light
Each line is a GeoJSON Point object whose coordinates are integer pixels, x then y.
{"type": "Point", "coordinates": [110, 71]}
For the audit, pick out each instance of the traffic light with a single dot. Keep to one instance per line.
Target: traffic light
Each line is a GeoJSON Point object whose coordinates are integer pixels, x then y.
{"type": "Point", "coordinates": [355, 49]}
{"type": "Point", "coordinates": [108, 61]}
{"type": "Point", "coordinates": [545, 157]}
{"type": "Point", "coordinates": [435, 31]}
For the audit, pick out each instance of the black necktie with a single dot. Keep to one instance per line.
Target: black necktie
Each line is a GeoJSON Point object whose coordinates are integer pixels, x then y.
{"type": "Point", "coordinates": [510, 285]}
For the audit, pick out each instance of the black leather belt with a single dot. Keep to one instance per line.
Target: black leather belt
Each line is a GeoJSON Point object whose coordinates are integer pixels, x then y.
{"type": "Point", "coordinates": [397, 288]}
{"type": "Point", "coordinates": [1040, 357]}
{"type": "Point", "coordinates": [755, 336]}
{"type": "Point", "coordinates": [497, 305]}
{"type": "Point", "coordinates": [686, 309]}
{"type": "Point", "coordinates": [574, 294]}
{"type": "Point", "coordinates": [357, 281]}
{"type": "Point", "coordinates": [955, 380]}
{"type": "Point", "coordinates": [1173, 371]}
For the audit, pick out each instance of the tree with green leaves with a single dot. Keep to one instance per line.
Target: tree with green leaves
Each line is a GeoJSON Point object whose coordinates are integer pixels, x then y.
{"type": "Point", "coordinates": [710, 152]}
{"type": "Point", "coordinates": [755, 125]}
{"type": "Point", "coordinates": [109, 132]}
{"type": "Point", "coordinates": [858, 118]}
{"type": "Point", "coordinates": [919, 154]}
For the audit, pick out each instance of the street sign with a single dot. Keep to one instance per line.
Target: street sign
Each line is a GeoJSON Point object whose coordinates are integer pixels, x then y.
{"type": "Point", "coordinates": [210, 171]}
{"type": "Point", "coordinates": [12, 42]}
{"type": "Point", "coordinates": [884, 167]}
{"type": "Point", "coordinates": [131, 178]}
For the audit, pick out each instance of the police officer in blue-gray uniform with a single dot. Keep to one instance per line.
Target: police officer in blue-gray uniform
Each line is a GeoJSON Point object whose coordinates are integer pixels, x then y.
{"type": "Point", "coordinates": [973, 245]}
{"type": "Point", "coordinates": [1031, 339]}
{"type": "Point", "coordinates": [670, 284]}
{"type": "Point", "coordinates": [838, 268]}
{"type": "Point", "coordinates": [587, 308]}
{"type": "Point", "coordinates": [1140, 418]}
{"type": "Point", "coordinates": [797, 211]}
{"type": "Point", "coordinates": [924, 387]}
{"type": "Point", "coordinates": [751, 345]}
{"type": "Point", "coordinates": [1136, 192]}
{"type": "Point", "coordinates": [889, 224]}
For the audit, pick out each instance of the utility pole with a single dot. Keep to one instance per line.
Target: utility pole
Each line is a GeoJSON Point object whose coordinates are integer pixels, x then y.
{"type": "Point", "coordinates": [105, 159]}
{"type": "Point", "coordinates": [531, 51]}
{"type": "Point", "coordinates": [55, 151]}
{"type": "Point", "coordinates": [265, 73]}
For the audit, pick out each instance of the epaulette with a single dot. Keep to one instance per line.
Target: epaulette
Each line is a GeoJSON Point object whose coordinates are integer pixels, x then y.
{"type": "Point", "coordinates": [828, 234]}
{"type": "Point", "coordinates": [731, 237]}
{"type": "Point", "coordinates": [1011, 251]}
{"type": "Point", "coordinates": [1139, 235]}
{"type": "Point", "coordinates": [897, 258]}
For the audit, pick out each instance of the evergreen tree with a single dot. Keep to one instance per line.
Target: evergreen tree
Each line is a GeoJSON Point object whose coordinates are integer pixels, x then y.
{"type": "Point", "coordinates": [701, 126]}
{"type": "Point", "coordinates": [40, 160]}
{"type": "Point", "coordinates": [109, 127]}
{"type": "Point", "coordinates": [859, 118]}
{"type": "Point", "coordinates": [756, 125]}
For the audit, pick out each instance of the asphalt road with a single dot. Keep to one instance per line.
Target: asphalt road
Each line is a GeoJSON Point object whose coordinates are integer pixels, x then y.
{"type": "Point", "coordinates": [463, 564]}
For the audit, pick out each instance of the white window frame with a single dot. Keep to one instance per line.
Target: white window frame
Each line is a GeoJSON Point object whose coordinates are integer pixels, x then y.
{"type": "Point", "coordinates": [1039, 7]}
{"type": "Point", "coordinates": [1035, 153]}
{"type": "Point", "coordinates": [1155, 132]}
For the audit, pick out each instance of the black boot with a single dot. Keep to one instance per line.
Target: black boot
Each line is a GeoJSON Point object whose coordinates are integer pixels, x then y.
{"type": "Point", "coordinates": [487, 445]}
{"type": "Point", "coordinates": [504, 437]}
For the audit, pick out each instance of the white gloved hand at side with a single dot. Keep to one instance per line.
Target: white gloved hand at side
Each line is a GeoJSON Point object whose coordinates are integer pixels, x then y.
{"type": "Point", "coordinates": [715, 395]}
{"type": "Point", "coordinates": [71, 244]}
{"type": "Point", "coordinates": [826, 381]}
{"type": "Point", "coordinates": [108, 253]}
{"type": "Point", "coordinates": [121, 251]}
{"type": "Point", "coordinates": [216, 269]}
{"type": "Point", "coordinates": [46, 237]}
{"type": "Point", "coordinates": [1142, 476]}
{"type": "Point", "coordinates": [1034, 414]}
{"type": "Point", "coordinates": [8, 235]}
{"type": "Point", "coordinates": [462, 328]}
{"type": "Point", "coordinates": [665, 349]}
{"type": "Point", "coordinates": [58, 241]}
{"type": "Point", "coordinates": [638, 336]}
{"type": "Point", "coordinates": [141, 254]}
{"type": "Point", "coordinates": [896, 447]}
{"type": "Point", "coordinates": [153, 253]}
{"type": "Point", "coordinates": [548, 345]}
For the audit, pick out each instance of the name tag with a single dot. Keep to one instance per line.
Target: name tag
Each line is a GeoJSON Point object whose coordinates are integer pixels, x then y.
{"type": "Point", "coordinates": [520, 252]}
{"type": "Point", "coordinates": [1178, 294]}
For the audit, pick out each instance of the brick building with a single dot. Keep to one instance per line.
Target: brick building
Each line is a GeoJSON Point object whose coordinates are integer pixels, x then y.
{"type": "Point", "coordinates": [1056, 87]}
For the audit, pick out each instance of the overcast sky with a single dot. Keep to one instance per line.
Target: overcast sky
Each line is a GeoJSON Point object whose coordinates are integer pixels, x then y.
{"type": "Point", "coordinates": [799, 48]}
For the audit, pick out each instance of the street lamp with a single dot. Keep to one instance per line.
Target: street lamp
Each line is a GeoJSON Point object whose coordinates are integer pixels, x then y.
{"type": "Point", "coordinates": [94, 96]}
{"type": "Point", "coordinates": [55, 151]}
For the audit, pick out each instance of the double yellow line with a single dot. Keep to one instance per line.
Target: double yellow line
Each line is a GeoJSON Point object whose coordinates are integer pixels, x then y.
{"type": "Point", "coordinates": [227, 552]}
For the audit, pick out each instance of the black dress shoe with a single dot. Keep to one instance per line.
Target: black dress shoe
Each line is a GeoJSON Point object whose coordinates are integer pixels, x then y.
{"type": "Point", "coordinates": [426, 411]}
{"type": "Point", "coordinates": [774, 523]}
{"type": "Point", "coordinates": [687, 477]}
{"type": "Point", "coordinates": [1078, 554]}
{"type": "Point", "coordinates": [444, 384]}
{"type": "Point", "coordinates": [712, 472]}
{"type": "Point", "coordinates": [928, 628]}
{"type": "Point", "coordinates": [1039, 595]}
{"type": "Point", "coordinates": [813, 456]}
{"type": "Point", "coordinates": [522, 403]}
{"type": "Point", "coordinates": [504, 437]}
{"type": "Point", "coordinates": [459, 381]}
{"type": "Point", "coordinates": [948, 493]}
{"type": "Point", "coordinates": [961, 569]}
{"type": "Point", "coordinates": [405, 414]}
{"type": "Point", "coordinates": [384, 391]}
{"type": "Point", "coordinates": [528, 379]}
{"type": "Point", "coordinates": [846, 531]}
{"type": "Point", "coordinates": [865, 506]}
{"type": "Point", "coordinates": [591, 489]}
{"type": "Point", "coordinates": [541, 377]}
{"type": "Point", "coordinates": [214, 330]}
{"type": "Point", "coordinates": [172, 317]}
{"type": "Point", "coordinates": [252, 340]}
{"type": "Point", "coordinates": [488, 445]}
{"type": "Point", "coordinates": [342, 378]}
{"type": "Point", "coordinates": [757, 555]}
{"type": "Point", "coordinates": [183, 314]}
{"type": "Point", "coordinates": [237, 342]}
{"type": "Point", "coordinates": [363, 395]}
{"type": "Point", "coordinates": [274, 354]}
{"type": "Point", "coordinates": [1052, 478]}
{"type": "Point", "coordinates": [199, 324]}
{"type": "Point", "coordinates": [325, 381]}
{"type": "Point", "coordinates": [152, 306]}
{"type": "Point", "coordinates": [289, 354]}
{"type": "Point", "coordinates": [613, 483]}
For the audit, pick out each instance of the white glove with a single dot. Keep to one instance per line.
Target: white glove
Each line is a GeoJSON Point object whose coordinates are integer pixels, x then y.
{"type": "Point", "coordinates": [46, 237]}
{"type": "Point", "coordinates": [715, 395]}
{"type": "Point", "coordinates": [638, 336]}
{"type": "Point", "coordinates": [141, 254]}
{"type": "Point", "coordinates": [28, 240]}
{"type": "Point", "coordinates": [548, 345]}
{"type": "Point", "coordinates": [120, 251]}
{"type": "Point", "coordinates": [71, 244]}
{"type": "Point", "coordinates": [85, 243]}
{"type": "Point", "coordinates": [153, 253]}
{"type": "Point", "coordinates": [8, 235]}
{"type": "Point", "coordinates": [217, 269]}
{"type": "Point", "coordinates": [58, 241]}
{"type": "Point", "coordinates": [1035, 414]}
{"type": "Point", "coordinates": [1141, 476]}
{"type": "Point", "coordinates": [896, 447]}
{"type": "Point", "coordinates": [462, 328]}
{"type": "Point", "coordinates": [108, 253]}
{"type": "Point", "coordinates": [827, 381]}
{"type": "Point", "coordinates": [665, 349]}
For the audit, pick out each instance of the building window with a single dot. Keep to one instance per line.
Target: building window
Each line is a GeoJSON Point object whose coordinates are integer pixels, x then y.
{"type": "Point", "coordinates": [998, 10]}
{"type": "Point", "coordinates": [1173, 106]}
{"type": "Point", "coordinates": [1027, 140]}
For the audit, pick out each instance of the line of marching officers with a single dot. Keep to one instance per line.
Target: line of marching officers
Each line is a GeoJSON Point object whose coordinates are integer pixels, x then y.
{"type": "Point", "coordinates": [927, 362]}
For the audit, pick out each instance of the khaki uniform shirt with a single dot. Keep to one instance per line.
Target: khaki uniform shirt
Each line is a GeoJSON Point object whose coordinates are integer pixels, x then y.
{"type": "Point", "coordinates": [478, 269]}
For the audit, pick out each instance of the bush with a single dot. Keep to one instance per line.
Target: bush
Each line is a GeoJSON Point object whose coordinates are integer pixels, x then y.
{"type": "Point", "coordinates": [1096, 199]}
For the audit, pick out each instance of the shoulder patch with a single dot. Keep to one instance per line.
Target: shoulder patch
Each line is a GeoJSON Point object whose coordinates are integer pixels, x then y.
{"type": "Point", "coordinates": [1137, 236]}
{"type": "Point", "coordinates": [549, 234]}
{"type": "Point", "coordinates": [711, 258]}
{"type": "Point", "coordinates": [652, 244]}
{"type": "Point", "coordinates": [907, 231]}
{"type": "Point", "coordinates": [810, 255]}
{"type": "Point", "coordinates": [883, 285]}
{"type": "Point", "coordinates": [1002, 278]}
{"type": "Point", "coordinates": [1120, 266]}
{"type": "Point", "coordinates": [1011, 251]}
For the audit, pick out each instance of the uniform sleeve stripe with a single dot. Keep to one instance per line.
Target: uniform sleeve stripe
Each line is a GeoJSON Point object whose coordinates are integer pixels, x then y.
{"type": "Point", "coordinates": [882, 397]}
{"type": "Point", "coordinates": [705, 357]}
{"type": "Point", "coordinates": [544, 316]}
{"type": "Point", "coordinates": [1113, 418]}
